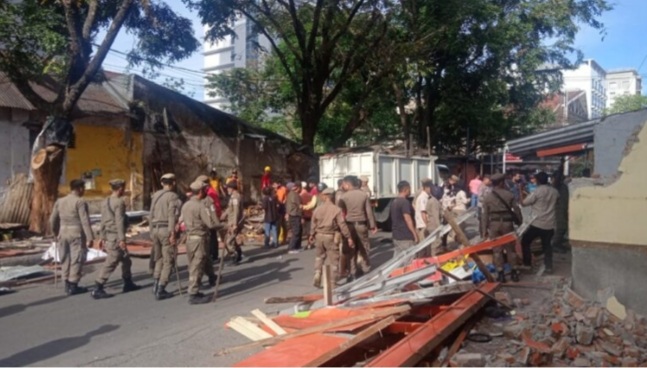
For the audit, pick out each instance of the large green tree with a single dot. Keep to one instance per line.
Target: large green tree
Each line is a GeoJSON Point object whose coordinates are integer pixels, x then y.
{"type": "Point", "coordinates": [627, 103]}
{"type": "Point", "coordinates": [62, 44]}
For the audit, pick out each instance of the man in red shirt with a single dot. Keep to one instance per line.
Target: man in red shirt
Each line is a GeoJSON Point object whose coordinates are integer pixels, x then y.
{"type": "Point", "coordinates": [266, 179]}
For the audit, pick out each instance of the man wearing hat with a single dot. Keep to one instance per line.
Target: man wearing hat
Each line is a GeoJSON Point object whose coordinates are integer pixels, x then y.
{"type": "Point", "coordinates": [212, 202]}
{"type": "Point", "coordinates": [266, 178]}
{"type": "Point", "coordinates": [71, 225]}
{"type": "Point", "coordinates": [500, 212]}
{"type": "Point", "coordinates": [199, 220]}
{"type": "Point", "coordinates": [234, 216]}
{"type": "Point", "coordinates": [113, 234]}
{"type": "Point", "coordinates": [359, 218]}
{"type": "Point", "coordinates": [327, 219]}
{"type": "Point", "coordinates": [164, 215]}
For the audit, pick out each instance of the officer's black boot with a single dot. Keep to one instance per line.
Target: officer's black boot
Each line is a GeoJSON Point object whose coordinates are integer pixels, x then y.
{"type": "Point", "coordinates": [212, 280]}
{"type": "Point", "coordinates": [199, 298]}
{"type": "Point", "coordinates": [162, 293]}
{"type": "Point", "coordinates": [515, 275]}
{"type": "Point", "coordinates": [67, 287]}
{"type": "Point", "coordinates": [129, 285]}
{"type": "Point", "coordinates": [75, 289]}
{"type": "Point", "coordinates": [501, 277]}
{"type": "Point", "coordinates": [99, 293]}
{"type": "Point", "coordinates": [156, 285]}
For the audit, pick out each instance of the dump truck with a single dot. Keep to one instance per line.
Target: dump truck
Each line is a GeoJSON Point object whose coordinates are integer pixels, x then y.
{"type": "Point", "coordinates": [384, 171]}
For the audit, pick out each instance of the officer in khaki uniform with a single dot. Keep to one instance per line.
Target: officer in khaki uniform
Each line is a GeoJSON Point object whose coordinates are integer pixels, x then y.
{"type": "Point", "coordinates": [163, 219]}
{"type": "Point", "coordinates": [211, 206]}
{"type": "Point", "coordinates": [234, 214]}
{"type": "Point", "coordinates": [359, 218]}
{"type": "Point", "coordinates": [498, 221]}
{"type": "Point", "coordinates": [113, 236]}
{"type": "Point", "coordinates": [327, 220]}
{"type": "Point", "coordinates": [71, 224]}
{"type": "Point", "coordinates": [198, 220]}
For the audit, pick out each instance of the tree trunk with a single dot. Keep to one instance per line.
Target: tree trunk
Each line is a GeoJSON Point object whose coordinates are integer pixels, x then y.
{"type": "Point", "coordinates": [47, 167]}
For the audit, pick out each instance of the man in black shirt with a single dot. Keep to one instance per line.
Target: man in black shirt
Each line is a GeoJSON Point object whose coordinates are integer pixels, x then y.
{"type": "Point", "coordinates": [403, 228]}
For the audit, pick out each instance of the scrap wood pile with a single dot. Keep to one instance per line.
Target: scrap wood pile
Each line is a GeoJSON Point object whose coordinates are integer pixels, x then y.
{"type": "Point", "coordinates": [253, 223]}
{"type": "Point", "coordinates": [564, 330]}
{"type": "Point", "coordinates": [403, 313]}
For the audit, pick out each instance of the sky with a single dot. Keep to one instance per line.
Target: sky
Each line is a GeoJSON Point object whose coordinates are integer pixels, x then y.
{"type": "Point", "coordinates": [623, 45]}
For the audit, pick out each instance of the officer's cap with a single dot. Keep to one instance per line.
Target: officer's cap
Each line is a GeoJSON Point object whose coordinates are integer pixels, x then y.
{"type": "Point", "coordinates": [197, 185]}
{"type": "Point", "coordinates": [497, 177]}
{"type": "Point", "coordinates": [202, 178]}
{"type": "Point", "coordinates": [117, 182]}
{"type": "Point", "coordinates": [328, 191]}
{"type": "Point", "coordinates": [168, 176]}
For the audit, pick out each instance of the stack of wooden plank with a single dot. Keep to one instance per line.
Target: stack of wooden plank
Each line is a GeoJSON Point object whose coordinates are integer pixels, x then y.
{"type": "Point", "coordinates": [386, 318]}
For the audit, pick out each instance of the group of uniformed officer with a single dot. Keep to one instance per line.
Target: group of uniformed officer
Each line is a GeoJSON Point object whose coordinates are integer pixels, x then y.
{"type": "Point", "coordinates": [70, 222]}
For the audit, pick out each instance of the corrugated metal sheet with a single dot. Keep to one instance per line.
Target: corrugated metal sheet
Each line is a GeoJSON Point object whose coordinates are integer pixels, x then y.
{"type": "Point", "coordinates": [572, 134]}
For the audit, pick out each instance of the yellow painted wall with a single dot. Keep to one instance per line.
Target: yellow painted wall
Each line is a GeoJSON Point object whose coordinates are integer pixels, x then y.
{"type": "Point", "coordinates": [105, 148]}
{"type": "Point", "coordinates": [617, 213]}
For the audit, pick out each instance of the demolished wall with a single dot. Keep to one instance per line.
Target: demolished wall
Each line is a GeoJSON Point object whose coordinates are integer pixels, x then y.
{"type": "Point", "coordinates": [608, 232]}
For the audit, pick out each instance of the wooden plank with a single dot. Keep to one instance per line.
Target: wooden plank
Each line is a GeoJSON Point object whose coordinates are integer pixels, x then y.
{"type": "Point", "coordinates": [460, 235]}
{"type": "Point", "coordinates": [400, 310]}
{"type": "Point", "coordinates": [254, 329]}
{"type": "Point", "coordinates": [242, 329]}
{"type": "Point", "coordinates": [328, 285]}
{"type": "Point", "coordinates": [293, 299]}
{"type": "Point", "coordinates": [355, 340]}
{"type": "Point", "coordinates": [417, 345]}
{"type": "Point", "coordinates": [268, 322]}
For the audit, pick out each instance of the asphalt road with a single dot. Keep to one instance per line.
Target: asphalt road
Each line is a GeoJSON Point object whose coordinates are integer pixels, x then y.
{"type": "Point", "coordinates": [41, 326]}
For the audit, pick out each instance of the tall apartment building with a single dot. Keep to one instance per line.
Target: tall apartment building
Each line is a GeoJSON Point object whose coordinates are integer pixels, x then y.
{"type": "Point", "coordinates": [622, 82]}
{"type": "Point", "coordinates": [589, 77]}
{"type": "Point", "coordinates": [244, 50]}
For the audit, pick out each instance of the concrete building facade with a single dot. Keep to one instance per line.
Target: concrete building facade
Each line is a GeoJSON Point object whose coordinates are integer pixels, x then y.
{"type": "Point", "coordinates": [588, 77]}
{"type": "Point", "coordinates": [245, 49]}
{"type": "Point", "coordinates": [622, 82]}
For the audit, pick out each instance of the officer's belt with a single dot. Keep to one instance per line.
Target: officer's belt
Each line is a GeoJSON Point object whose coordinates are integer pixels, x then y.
{"type": "Point", "coordinates": [196, 237]}
{"type": "Point", "coordinates": [356, 222]}
{"type": "Point", "coordinates": [71, 227]}
{"type": "Point", "coordinates": [326, 234]}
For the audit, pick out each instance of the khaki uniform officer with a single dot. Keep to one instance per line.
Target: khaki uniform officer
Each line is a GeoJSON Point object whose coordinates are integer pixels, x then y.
{"type": "Point", "coordinates": [234, 215]}
{"type": "Point", "coordinates": [71, 224]}
{"type": "Point", "coordinates": [198, 220]}
{"type": "Point", "coordinates": [163, 219]}
{"type": "Point", "coordinates": [113, 236]}
{"type": "Point", "coordinates": [211, 206]}
{"type": "Point", "coordinates": [498, 221]}
{"type": "Point", "coordinates": [327, 219]}
{"type": "Point", "coordinates": [359, 218]}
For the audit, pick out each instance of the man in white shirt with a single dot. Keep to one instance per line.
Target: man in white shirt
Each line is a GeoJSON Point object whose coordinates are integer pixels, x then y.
{"type": "Point", "coordinates": [421, 209]}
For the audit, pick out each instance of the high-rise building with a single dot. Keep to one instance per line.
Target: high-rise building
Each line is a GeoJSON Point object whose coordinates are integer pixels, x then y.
{"type": "Point", "coordinates": [244, 50]}
{"type": "Point", "coordinates": [622, 82]}
{"type": "Point", "coordinates": [589, 77]}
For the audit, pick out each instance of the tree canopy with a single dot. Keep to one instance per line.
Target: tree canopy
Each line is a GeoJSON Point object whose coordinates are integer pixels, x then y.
{"type": "Point", "coordinates": [627, 103]}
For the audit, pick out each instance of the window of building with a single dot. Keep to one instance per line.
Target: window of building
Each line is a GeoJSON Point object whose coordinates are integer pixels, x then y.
{"type": "Point", "coordinates": [613, 85]}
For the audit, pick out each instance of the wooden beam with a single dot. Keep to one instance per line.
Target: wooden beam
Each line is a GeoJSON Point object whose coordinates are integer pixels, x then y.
{"type": "Point", "coordinates": [395, 311]}
{"type": "Point", "coordinates": [409, 351]}
{"type": "Point", "coordinates": [355, 340]}
{"type": "Point", "coordinates": [268, 322]}
{"type": "Point", "coordinates": [293, 299]}
{"type": "Point", "coordinates": [328, 285]}
{"type": "Point", "coordinates": [242, 329]}
{"type": "Point", "coordinates": [253, 329]}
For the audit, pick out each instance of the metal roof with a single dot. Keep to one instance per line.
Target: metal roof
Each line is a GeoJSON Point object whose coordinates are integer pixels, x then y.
{"type": "Point", "coordinates": [572, 134]}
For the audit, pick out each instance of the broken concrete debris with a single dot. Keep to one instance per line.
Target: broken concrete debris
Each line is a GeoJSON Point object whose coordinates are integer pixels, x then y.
{"type": "Point", "coordinates": [566, 330]}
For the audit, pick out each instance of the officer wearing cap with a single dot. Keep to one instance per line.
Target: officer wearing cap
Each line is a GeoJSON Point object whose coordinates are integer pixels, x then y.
{"type": "Point", "coordinates": [113, 235]}
{"type": "Point", "coordinates": [234, 215]}
{"type": "Point", "coordinates": [327, 220]}
{"type": "Point", "coordinates": [199, 220]}
{"type": "Point", "coordinates": [359, 218]}
{"type": "Point", "coordinates": [211, 246]}
{"type": "Point", "coordinates": [70, 222]}
{"type": "Point", "coordinates": [500, 211]}
{"type": "Point", "coordinates": [164, 213]}
{"type": "Point", "coordinates": [364, 187]}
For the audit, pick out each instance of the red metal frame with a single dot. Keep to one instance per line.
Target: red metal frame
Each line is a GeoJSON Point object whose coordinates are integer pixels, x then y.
{"type": "Point", "coordinates": [561, 150]}
{"type": "Point", "coordinates": [417, 345]}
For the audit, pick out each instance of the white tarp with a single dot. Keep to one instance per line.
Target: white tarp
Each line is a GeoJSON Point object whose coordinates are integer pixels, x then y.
{"type": "Point", "coordinates": [93, 254]}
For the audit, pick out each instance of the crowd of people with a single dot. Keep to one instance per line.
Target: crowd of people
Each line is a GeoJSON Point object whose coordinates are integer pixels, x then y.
{"type": "Point", "coordinates": [335, 222]}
